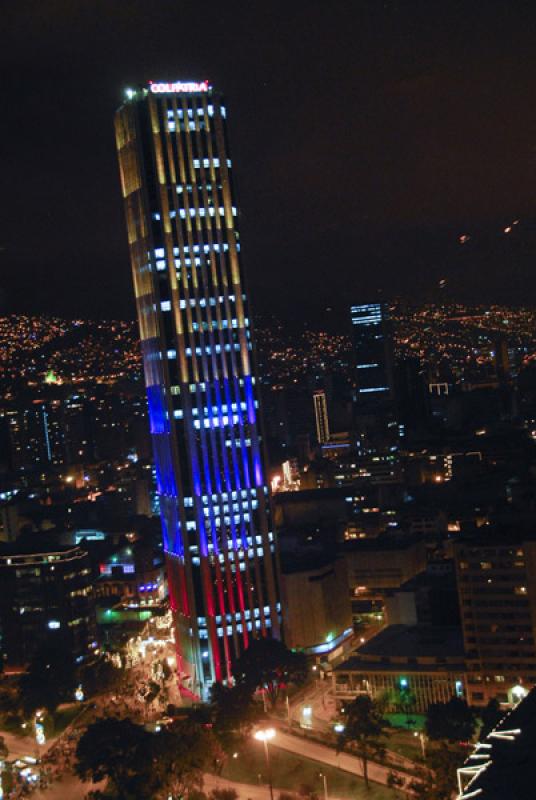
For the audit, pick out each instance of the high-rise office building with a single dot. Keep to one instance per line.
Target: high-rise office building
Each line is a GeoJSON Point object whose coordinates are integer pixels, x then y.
{"type": "Point", "coordinates": [176, 176]}
{"type": "Point", "coordinates": [321, 416]}
{"type": "Point", "coordinates": [496, 572]}
{"type": "Point", "coordinates": [372, 354]}
{"type": "Point", "coordinates": [375, 424]}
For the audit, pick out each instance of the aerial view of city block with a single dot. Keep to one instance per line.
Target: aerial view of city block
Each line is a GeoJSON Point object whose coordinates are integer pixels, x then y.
{"type": "Point", "coordinates": [268, 401]}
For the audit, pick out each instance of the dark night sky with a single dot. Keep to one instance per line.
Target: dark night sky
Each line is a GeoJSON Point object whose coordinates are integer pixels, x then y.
{"type": "Point", "coordinates": [366, 137]}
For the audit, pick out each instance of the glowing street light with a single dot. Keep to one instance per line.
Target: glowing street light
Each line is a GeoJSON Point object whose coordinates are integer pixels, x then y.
{"type": "Point", "coordinates": [422, 739]}
{"type": "Point", "coordinates": [39, 726]}
{"type": "Point", "coordinates": [324, 778]}
{"type": "Point", "coordinates": [338, 727]}
{"type": "Point", "coordinates": [518, 693]}
{"type": "Point", "coordinates": [307, 717]}
{"type": "Point", "coordinates": [265, 735]}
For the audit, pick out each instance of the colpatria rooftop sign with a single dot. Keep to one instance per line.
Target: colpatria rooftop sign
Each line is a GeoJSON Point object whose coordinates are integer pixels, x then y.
{"type": "Point", "coordinates": [179, 86]}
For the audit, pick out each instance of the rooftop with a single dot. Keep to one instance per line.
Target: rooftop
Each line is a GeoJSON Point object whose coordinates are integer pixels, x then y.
{"type": "Point", "coordinates": [500, 535]}
{"type": "Point", "coordinates": [381, 543]}
{"type": "Point", "coordinates": [34, 544]}
{"type": "Point", "coordinates": [408, 642]}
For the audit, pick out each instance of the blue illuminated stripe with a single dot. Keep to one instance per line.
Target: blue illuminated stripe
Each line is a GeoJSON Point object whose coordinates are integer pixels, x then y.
{"type": "Point", "coordinates": [158, 420]}
{"type": "Point", "coordinates": [250, 401]}
{"type": "Point", "coordinates": [47, 439]}
{"type": "Point", "coordinates": [325, 647]}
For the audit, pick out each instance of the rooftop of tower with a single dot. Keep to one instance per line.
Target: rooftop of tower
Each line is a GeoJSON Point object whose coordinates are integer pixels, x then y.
{"type": "Point", "coordinates": [169, 87]}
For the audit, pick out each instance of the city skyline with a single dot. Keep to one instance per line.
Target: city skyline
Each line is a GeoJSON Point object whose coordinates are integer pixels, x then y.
{"type": "Point", "coordinates": [267, 400]}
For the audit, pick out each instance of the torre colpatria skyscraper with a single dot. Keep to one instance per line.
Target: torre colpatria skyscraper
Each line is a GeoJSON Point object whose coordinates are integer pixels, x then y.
{"type": "Point", "coordinates": [182, 225]}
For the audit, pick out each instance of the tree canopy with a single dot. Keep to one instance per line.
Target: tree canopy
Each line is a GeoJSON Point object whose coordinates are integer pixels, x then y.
{"type": "Point", "coordinates": [49, 681]}
{"type": "Point", "coordinates": [140, 765]}
{"type": "Point", "coordinates": [233, 713]}
{"type": "Point", "coordinates": [101, 676]}
{"type": "Point", "coordinates": [365, 728]}
{"type": "Point", "coordinates": [438, 780]}
{"type": "Point", "coordinates": [490, 716]}
{"type": "Point", "coordinates": [453, 721]}
{"type": "Point", "coordinates": [116, 751]}
{"type": "Point", "coordinates": [269, 665]}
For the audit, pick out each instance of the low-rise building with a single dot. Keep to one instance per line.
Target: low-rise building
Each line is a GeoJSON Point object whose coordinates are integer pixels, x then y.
{"type": "Point", "coordinates": [133, 575]}
{"type": "Point", "coordinates": [318, 615]}
{"type": "Point", "coordinates": [385, 562]}
{"type": "Point", "coordinates": [496, 573]}
{"type": "Point", "coordinates": [424, 661]}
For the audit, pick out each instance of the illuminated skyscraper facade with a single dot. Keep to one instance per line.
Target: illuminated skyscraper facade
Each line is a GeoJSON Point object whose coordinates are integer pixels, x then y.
{"type": "Point", "coordinates": [373, 354]}
{"type": "Point", "coordinates": [320, 404]}
{"type": "Point", "coordinates": [176, 177]}
{"type": "Point", "coordinates": [376, 429]}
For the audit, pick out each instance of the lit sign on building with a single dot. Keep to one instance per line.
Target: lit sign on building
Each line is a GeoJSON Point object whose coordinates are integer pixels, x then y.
{"type": "Point", "coordinates": [179, 86]}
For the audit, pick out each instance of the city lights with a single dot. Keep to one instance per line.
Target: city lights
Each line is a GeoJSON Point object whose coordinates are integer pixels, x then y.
{"type": "Point", "coordinates": [280, 548]}
{"type": "Point", "coordinates": [264, 734]}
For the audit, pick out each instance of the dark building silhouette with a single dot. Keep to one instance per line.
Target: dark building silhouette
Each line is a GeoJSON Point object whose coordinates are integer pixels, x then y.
{"type": "Point", "coordinates": [47, 597]}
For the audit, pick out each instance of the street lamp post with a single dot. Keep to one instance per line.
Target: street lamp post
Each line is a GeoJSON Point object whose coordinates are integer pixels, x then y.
{"type": "Point", "coordinates": [422, 740]}
{"type": "Point", "coordinates": [289, 717]}
{"type": "Point", "coordinates": [324, 778]}
{"type": "Point", "coordinates": [264, 735]}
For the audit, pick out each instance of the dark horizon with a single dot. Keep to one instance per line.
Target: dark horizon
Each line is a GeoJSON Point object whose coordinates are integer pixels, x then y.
{"type": "Point", "coordinates": [358, 166]}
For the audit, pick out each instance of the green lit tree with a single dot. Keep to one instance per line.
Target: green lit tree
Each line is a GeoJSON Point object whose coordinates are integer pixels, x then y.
{"type": "Point", "coordinates": [404, 701]}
